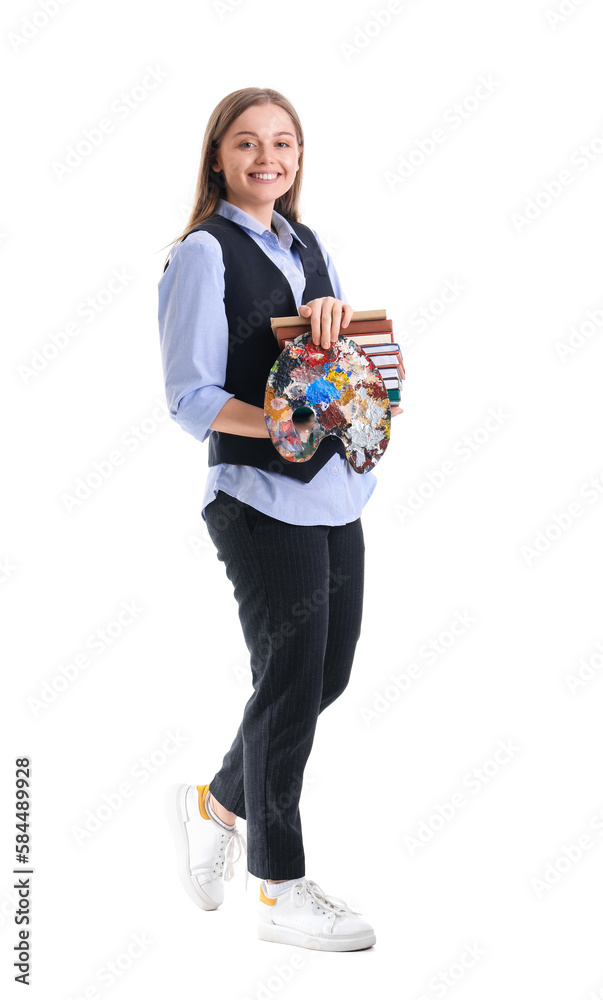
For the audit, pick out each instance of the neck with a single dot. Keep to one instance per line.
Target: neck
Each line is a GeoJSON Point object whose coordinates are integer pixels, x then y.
{"type": "Point", "coordinates": [263, 213]}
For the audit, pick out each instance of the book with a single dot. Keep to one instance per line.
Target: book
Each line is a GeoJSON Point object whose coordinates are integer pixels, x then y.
{"type": "Point", "coordinates": [357, 316]}
{"type": "Point", "coordinates": [378, 332]}
{"type": "Point", "coordinates": [370, 330]}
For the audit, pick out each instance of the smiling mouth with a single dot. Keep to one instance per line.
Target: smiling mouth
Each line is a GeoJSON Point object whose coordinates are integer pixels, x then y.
{"type": "Point", "coordinates": [265, 175]}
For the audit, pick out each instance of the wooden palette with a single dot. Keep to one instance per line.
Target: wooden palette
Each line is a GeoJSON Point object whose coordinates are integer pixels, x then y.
{"type": "Point", "coordinates": [312, 393]}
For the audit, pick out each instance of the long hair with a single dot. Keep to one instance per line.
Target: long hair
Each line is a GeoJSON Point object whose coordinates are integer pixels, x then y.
{"type": "Point", "coordinates": [210, 185]}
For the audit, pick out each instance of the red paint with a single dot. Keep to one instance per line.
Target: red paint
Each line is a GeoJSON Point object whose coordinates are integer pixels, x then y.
{"type": "Point", "coordinates": [331, 417]}
{"type": "Point", "coordinates": [315, 356]}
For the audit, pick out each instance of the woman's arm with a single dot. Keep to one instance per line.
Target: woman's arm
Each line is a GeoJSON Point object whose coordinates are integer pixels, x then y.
{"type": "Point", "coordinates": [194, 344]}
{"type": "Point", "coordinates": [237, 417]}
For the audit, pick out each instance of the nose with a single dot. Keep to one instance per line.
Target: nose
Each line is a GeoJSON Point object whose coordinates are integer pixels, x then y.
{"type": "Point", "coordinates": [264, 153]}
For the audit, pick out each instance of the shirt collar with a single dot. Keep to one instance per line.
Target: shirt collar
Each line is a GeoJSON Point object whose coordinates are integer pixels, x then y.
{"type": "Point", "coordinates": [286, 233]}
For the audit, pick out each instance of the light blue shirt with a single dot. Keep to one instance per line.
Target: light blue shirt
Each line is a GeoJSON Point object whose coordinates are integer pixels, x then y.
{"type": "Point", "coordinates": [193, 332]}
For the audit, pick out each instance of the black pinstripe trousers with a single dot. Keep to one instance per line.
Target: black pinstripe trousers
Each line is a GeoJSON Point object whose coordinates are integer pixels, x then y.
{"type": "Point", "coordinates": [299, 591]}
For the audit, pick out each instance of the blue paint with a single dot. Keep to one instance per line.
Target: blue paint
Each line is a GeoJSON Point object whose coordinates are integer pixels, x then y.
{"type": "Point", "coordinates": [321, 391]}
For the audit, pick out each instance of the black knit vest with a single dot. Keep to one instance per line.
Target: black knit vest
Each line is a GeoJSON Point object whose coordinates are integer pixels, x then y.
{"type": "Point", "coordinates": [255, 290]}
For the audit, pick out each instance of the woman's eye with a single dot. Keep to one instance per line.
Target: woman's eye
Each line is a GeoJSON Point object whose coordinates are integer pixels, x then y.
{"type": "Point", "coordinates": [248, 142]}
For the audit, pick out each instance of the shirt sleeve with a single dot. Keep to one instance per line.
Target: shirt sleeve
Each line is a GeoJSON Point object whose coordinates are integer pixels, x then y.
{"type": "Point", "coordinates": [193, 335]}
{"type": "Point", "coordinates": [331, 269]}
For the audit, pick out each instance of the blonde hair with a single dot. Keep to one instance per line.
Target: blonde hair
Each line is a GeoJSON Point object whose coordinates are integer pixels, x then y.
{"type": "Point", "coordinates": [210, 185]}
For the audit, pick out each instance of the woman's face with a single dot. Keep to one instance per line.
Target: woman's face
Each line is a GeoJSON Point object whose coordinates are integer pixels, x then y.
{"type": "Point", "coordinates": [262, 140]}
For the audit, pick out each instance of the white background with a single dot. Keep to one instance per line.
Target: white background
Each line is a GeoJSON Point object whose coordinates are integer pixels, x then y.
{"type": "Point", "coordinates": [484, 538]}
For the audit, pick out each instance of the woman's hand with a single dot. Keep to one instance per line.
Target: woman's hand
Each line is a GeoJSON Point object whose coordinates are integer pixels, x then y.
{"type": "Point", "coordinates": [325, 317]}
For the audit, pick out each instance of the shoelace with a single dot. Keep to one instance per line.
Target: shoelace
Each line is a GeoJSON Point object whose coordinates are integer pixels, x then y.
{"type": "Point", "coordinates": [228, 861]}
{"type": "Point", "coordinates": [310, 889]}
{"type": "Point", "coordinates": [225, 864]}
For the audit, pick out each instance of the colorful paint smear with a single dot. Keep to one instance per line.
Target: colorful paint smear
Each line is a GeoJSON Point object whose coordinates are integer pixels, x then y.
{"type": "Point", "coordinates": [344, 389]}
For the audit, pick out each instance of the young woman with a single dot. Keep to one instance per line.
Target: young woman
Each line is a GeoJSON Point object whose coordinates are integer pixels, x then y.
{"type": "Point", "coordinates": [289, 534]}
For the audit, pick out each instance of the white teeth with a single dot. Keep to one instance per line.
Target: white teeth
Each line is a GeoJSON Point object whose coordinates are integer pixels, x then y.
{"type": "Point", "coordinates": [265, 177]}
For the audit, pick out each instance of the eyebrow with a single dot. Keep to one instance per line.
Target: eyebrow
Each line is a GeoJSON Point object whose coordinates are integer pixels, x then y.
{"type": "Point", "coordinates": [256, 135]}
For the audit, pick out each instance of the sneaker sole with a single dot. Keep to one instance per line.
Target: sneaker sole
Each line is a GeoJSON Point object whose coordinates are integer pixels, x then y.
{"type": "Point", "coordinates": [175, 809]}
{"type": "Point", "coordinates": [288, 935]}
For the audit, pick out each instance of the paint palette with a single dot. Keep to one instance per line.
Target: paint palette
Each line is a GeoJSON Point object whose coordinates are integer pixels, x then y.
{"type": "Point", "coordinates": [312, 393]}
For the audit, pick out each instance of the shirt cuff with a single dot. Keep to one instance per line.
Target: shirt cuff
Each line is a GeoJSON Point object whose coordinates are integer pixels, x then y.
{"type": "Point", "coordinates": [197, 410]}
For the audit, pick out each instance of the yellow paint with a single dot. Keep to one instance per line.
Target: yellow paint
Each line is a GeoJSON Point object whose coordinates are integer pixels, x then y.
{"type": "Point", "coordinates": [339, 379]}
{"type": "Point", "coordinates": [277, 408]}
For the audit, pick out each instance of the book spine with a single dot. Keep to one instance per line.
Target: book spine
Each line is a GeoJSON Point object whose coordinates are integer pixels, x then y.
{"type": "Point", "coordinates": [354, 330]}
{"type": "Point", "coordinates": [384, 341]}
{"type": "Point", "coordinates": [362, 315]}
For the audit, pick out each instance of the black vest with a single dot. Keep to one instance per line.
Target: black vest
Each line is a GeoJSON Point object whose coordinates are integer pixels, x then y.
{"type": "Point", "coordinates": [255, 290]}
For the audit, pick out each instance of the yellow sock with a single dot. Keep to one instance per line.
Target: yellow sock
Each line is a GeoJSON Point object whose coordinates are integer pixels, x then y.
{"type": "Point", "coordinates": [203, 793]}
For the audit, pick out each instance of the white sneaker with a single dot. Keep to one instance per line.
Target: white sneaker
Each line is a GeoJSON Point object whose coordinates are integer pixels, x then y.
{"type": "Point", "coordinates": [205, 849]}
{"type": "Point", "coordinates": [307, 917]}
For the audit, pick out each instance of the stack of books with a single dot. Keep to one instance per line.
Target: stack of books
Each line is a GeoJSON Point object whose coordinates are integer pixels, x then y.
{"type": "Point", "coordinates": [370, 330]}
